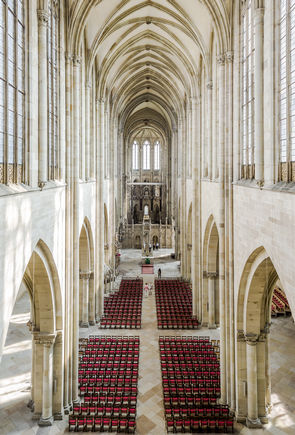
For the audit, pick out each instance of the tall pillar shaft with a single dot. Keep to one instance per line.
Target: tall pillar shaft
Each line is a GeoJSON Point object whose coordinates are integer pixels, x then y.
{"type": "Point", "coordinates": [47, 343]}
{"type": "Point", "coordinates": [85, 276]}
{"type": "Point", "coordinates": [211, 300]}
{"type": "Point", "coordinates": [221, 133]}
{"type": "Point", "coordinates": [75, 179]}
{"type": "Point", "coordinates": [100, 210]}
{"type": "Point", "coordinates": [196, 208]}
{"type": "Point", "coordinates": [42, 96]}
{"type": "Point", "coordinates": [87, 131]}
{"type": "Point", "coordinates": [251, 354]}
{"type": "Point", "coordinates": [209, 128]}
{"type": "Point", "coordinates": [68, 241]}
{"type": "Point", "coordinates": [258, 91]}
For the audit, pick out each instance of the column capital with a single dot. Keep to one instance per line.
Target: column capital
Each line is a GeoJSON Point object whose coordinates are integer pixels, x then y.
{"type": "Point", "coordinates": [44, 339]}
{"type": "Point", "coordinates": [59, 337]}
{"type": "Point", "coordinates": [100, 101]}
{"type": "Point", "coordinates": [240, 336]}
{"type": "Point", "coordinates": [212, 275]}
{"type": "Point", "coordinates": [220, 59]}
{"type": "Point", "coordinates": [76, 60]}
{"type": "Point", "coordinates": [43, 16]}
{"type": "Point", "coordinates": [31, 326]}
{"type": "Point", "coordinates": [85, 275]}
{"type": "Point", "coordinates": [251, 339]}
{"type": "Point", "coordinates": [68, 56]}
{"type": "Point", "coordinates": [229, 56]}
{"type": "Point", "coordinates": [209, 85]}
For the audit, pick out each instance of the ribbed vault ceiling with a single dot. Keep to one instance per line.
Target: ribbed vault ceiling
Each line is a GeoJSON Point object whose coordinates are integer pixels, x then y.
{"type": "Point", "coordinates": [148, 53]}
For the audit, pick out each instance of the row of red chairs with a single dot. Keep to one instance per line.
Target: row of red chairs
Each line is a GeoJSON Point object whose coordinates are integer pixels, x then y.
{"type": "Point", "coordinates": [122, 310]}
{"type": "Point", "coordinates": [174, 305]}
{"type": "Point", "coordinates": [104, 400]}
{"type": "Point", "coordinates": [96, 424]}
{"type": "Point", "coordinates": [119, 324]}
{"type": "Point", "coordinates": [105, 374]}
{"type": "Point", "coordinates": [191, 382]}
{"type": "Point", "coordinates": [189, 402]}
{"type": "Point", "coordinates": [191, 391]}
{"type": "Point", "coordinates": [200, 425]}
{"type": "Point", "coordinates": [109, 381]}
{"type": "Point", "coordinates": [201, 411]}
{"type": "Point", "coordinates": [107, 391]}
{"type": "Point", "coordinates": [104, 411]}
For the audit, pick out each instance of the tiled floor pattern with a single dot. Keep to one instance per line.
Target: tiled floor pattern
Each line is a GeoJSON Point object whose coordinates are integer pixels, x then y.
{"type": "Point", "coordinates": [15, 417]}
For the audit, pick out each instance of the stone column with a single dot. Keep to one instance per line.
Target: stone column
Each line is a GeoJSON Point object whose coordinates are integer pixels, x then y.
{"type": "Point", "coordinates": [91, 300]}
{"type": "Point", "coordinates": [261, 377]}
{"type": "Point", "coordinates": [209, 128]}
{"type": "Point", "coordinates": [68, 242]}
{"type": "Point", "coordinates": [222, 299]}
{"type": "Point", "coordinates": [267, 371]}
{"type": "Point", "coordinates": [211, 299]}
{"type": "Point", "coordinates": [270, 98]}
{"type": "Point", "coordinates": [100, 211]}
{"type": "Point", "coordinates": [37, 375]}
{"type": "Point", "coordinates": [43, 16]}
{"type": "Point", "coordinates": [76, 229]}
{"type": "Point", "coordinates": [196, 162]}
{"type": "Point", "coordinates": [85, 276]}
{"type": "Point", "coordinates": [31, 327]}
{"type": "Point", "coordinates": [252, 399]}
{"type": "Point", "coordinates": [47, 340]}
{"type": "Point", "coordinates": [258, 91]}
{"type": "Point", "coordinates": [58, 376]}
{"type": "Point", "coordinates": [87, 130]}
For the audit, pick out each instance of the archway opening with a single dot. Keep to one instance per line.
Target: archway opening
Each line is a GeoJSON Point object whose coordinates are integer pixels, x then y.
{"type": "Point", "coordinates": [264, 353]}
{"type": "Point", "coordinates": [34, 341]}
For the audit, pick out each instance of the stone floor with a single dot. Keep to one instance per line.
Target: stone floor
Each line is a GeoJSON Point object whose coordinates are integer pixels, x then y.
{"type": "Point", "coordinates": [15, 417]}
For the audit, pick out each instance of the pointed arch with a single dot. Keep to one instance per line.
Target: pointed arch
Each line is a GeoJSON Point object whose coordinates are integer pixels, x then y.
{"type": "Point", "coordinates": [253, 308]}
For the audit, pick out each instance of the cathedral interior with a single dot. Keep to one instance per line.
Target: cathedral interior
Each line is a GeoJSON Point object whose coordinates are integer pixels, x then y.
{"type": "Point", "coordinates": [147, 216]}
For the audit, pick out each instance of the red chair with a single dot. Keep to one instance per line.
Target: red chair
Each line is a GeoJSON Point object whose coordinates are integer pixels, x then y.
{"type": "Point", "coordinates": [72, 423]}
{"type": "Point", "coordinates": [89, 424]}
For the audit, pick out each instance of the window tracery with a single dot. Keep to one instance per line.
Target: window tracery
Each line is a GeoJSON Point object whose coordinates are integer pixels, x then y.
{"type": "Point", "coordinates": [52, 54]}
{"type": "Point", "coordinates": [287, 90]}
{"type": "Point", "coordinates": [12, 90]}
{"type": "Point", "coordinates": [247, 60]}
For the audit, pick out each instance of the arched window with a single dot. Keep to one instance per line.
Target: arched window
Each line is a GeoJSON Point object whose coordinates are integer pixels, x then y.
{"type": "Point", "coordinates": [135, 155]}
{"type": "Point", "coordinates": [287, 89]}
{"type": "Point", "coordinates": [247, 44]}
{"type": "Point", "coordinates": [146, 155]}
{"type": "Point", "coordinates": [52, 55]}
{"type": "Point", "coordinates": [157, 156]}
{"type": "Point", "coordinates": [12, 90]}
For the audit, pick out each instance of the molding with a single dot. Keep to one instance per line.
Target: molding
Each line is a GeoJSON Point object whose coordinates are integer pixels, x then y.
{"type": "Point", "coordinates": [44, 339]}
{"type": "Point", "coordinates": [43, 17]}
{"type": "Point", "coordinates": [76, 60]}
{"type": "Point", "coordinates": [251, 339]}
{"type": "Point", "coordinates": [220, 59]}
{"type": "Point", "coordinates": [85, 275]}
{"type": "Point", "coordinates": [210, 85]}
{"type": "Point", "coordinates": [212, 275]}
{"type": "Point", "coordinates": [229, 56]}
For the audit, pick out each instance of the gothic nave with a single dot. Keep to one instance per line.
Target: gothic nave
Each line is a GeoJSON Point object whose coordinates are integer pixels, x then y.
{"type": "Point", "coordinates": [138, 135]}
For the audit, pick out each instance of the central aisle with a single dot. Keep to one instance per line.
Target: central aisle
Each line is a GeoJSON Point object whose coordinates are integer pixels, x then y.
{"type": "Point", "coordinates": [150, 408]}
